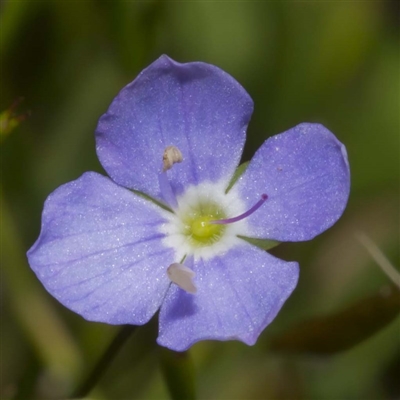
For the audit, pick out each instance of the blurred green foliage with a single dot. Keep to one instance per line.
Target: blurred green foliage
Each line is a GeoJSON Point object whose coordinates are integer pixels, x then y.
{"type": "Point", "coordinates": [331, 62]}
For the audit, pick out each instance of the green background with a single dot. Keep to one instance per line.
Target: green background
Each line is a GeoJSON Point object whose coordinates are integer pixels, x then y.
{"type": "Point", "coordinates": [333, 62]}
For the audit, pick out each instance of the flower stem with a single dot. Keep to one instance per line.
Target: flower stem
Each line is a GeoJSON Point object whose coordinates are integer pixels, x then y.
{"type": "Point", "coordinates": [179, 374]}
{"type": "Point", "coordinates": [105, 360]}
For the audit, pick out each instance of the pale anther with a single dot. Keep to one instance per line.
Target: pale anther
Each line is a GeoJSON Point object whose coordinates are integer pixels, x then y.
{"type": "Point", "coordinates": [182, 276]}
{"type": "Point", "coordinates": [171, 156]}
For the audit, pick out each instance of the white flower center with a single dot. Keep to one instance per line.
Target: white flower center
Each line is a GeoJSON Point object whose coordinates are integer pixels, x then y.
{"type": "Point", "coordinates": [205, 221]}
{"type": "Point", "coordinates": [189, 231]}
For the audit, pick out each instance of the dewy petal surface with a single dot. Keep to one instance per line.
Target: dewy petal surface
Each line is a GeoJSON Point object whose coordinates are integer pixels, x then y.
{"type": "Point", "coordinates": [238, 295]}
{"type": "Point", "coordinates": [100, 253]}
{"type": "Point", "coordinates": [305, 173]}
{"type": "Point", "coordinates": [196, 107]}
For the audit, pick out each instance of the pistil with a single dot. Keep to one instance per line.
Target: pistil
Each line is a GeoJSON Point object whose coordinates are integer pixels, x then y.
{"type": "Point", "coordinates": [256, 206]}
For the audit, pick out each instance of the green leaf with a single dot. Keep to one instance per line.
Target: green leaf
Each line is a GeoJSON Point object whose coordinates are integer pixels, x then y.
{"type": "Point", "coordinates": [263, 244]}
{"type": "Point", "coordinates": [39, 321]}
{"type": "Point", "coordinates": [156, 202]}
{"type": "Point", "coordinates": [341, 331]}
{"type": "Point", "coordinates": [9, 119]}
{"type": "Point", "coordinates": [238, 173]}
{"type": "Point", "coordinates": [179, 374]}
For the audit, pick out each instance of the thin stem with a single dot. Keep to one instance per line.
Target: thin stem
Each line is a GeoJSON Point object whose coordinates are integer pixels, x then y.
{"type": "Point", "coordinates": [105, 360]}
{"type": "Point", "coordinates": [379, 258]}
{"type": "Point", "coordinates": [179, 374]}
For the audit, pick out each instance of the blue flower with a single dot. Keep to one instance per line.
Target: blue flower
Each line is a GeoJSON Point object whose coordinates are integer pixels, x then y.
{"type": "Point", "coordinates": [168, 231]}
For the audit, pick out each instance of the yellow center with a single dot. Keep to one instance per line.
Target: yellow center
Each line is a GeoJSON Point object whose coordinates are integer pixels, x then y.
{"type": "Point", "coordinates": [201, 227]}
{"type": "Point", "coordinates": [198, 228]}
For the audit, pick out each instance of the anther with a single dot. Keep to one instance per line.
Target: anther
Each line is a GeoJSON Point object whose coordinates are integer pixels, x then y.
{"type": "Point", "coordinates": [182, 276]}
{"type": "Point", "coordinates": [256, 206]}
{"type": "Point", "coordinates": [171, 156]}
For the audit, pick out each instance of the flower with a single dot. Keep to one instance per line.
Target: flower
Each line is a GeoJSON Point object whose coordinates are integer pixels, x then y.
{"type": "Point", "coordinates": [170, 230]}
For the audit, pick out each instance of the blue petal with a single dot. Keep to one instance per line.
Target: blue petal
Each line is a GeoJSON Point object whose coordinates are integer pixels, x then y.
{"type": "Point", "coordinates": [305, 173]}
{"type": "Point", "coordinates": [196, 107]}
{"type": "Point", "coordinates": [100, 253]}
{"type": "Point", "coordinates": [238, 295]}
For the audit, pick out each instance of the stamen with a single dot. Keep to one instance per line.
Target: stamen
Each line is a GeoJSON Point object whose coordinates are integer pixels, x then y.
{"type": "Point", "coordinates": [182, 276]}
{"type": "Point", "coordinates": [244, 215]}
{"type": "Point", "coordinates": [171, 156]}
{"type": "Point", "coordinates": [166, 191]}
